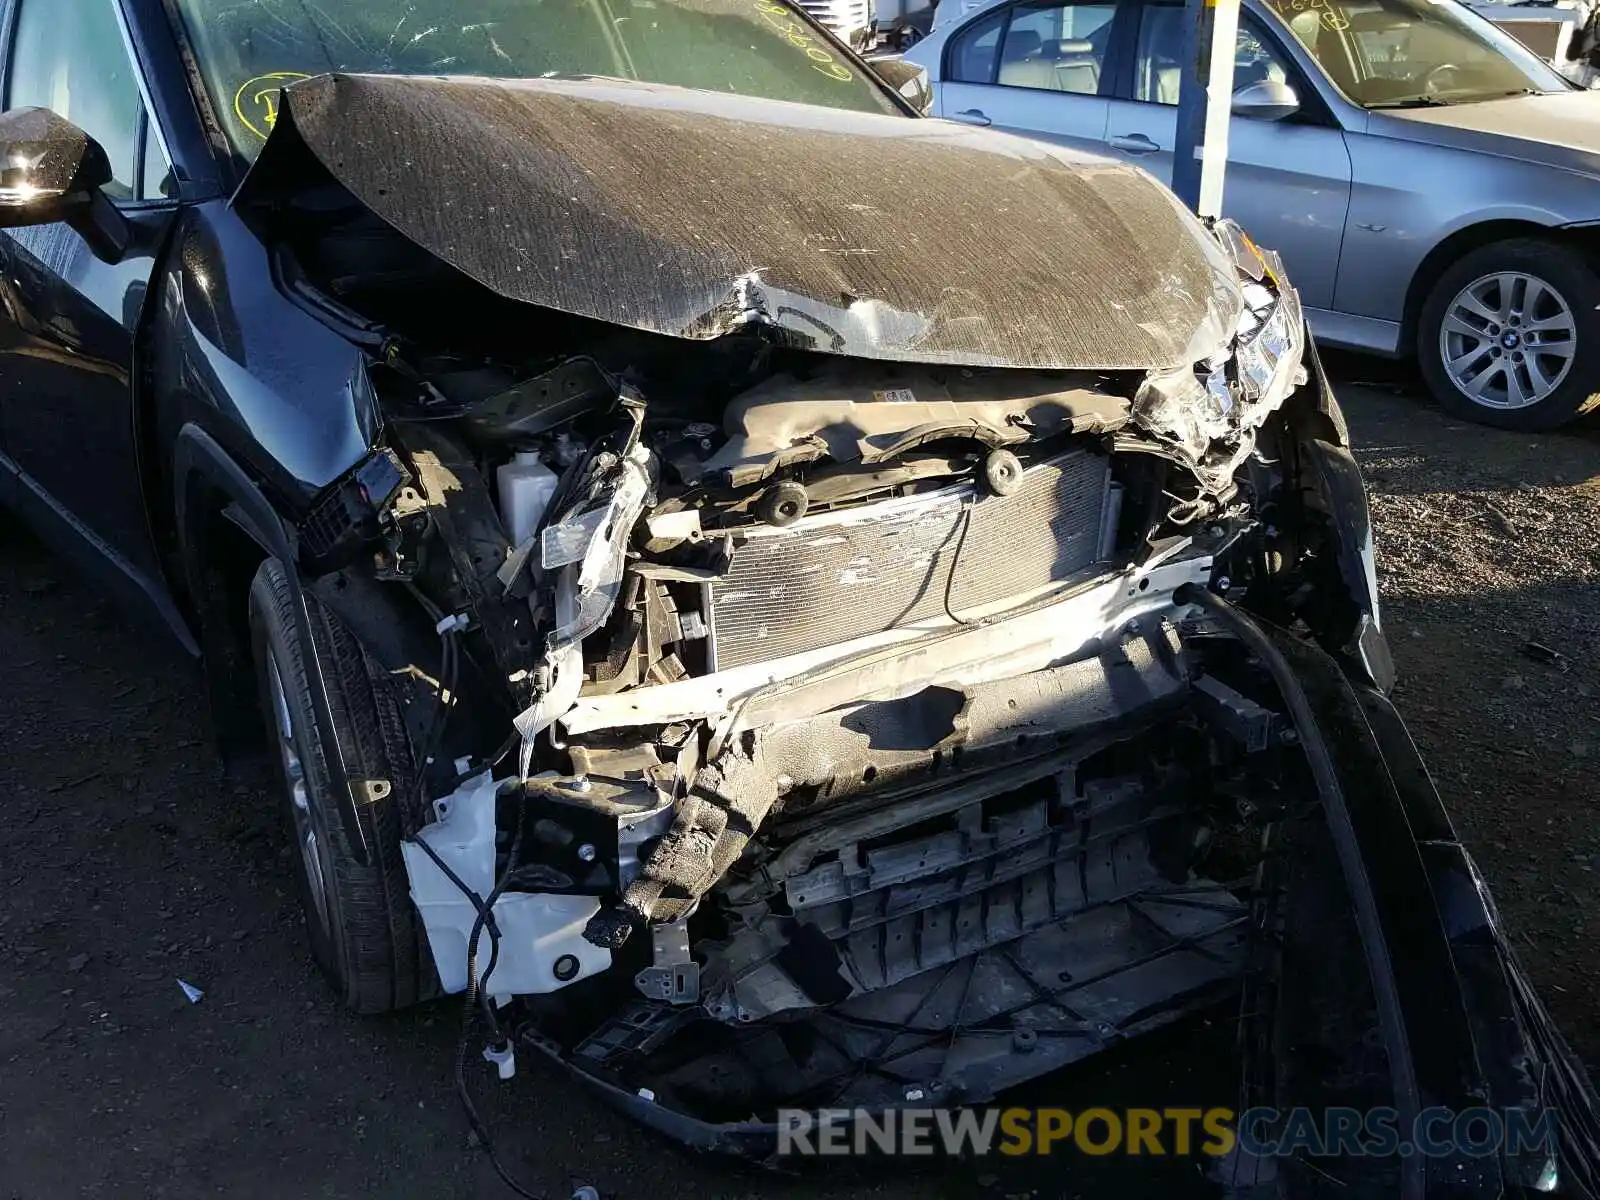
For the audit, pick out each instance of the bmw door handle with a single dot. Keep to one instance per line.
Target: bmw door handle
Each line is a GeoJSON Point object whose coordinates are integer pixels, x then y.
{"type": "Point", "coordinates": [1133, 143]}
{"type": "Point", "coordinates": [973, 116]}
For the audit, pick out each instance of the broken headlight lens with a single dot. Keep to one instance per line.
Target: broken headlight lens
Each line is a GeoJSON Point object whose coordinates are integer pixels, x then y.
{"type": "Point", "coordinates": [1209, 412]}
{"type": "Point", "coordinates": [588, 548]}
{"type": "Point", "coordinates": [1270, 339]}
{"type": "Point", "coordinates": [1269, 345]}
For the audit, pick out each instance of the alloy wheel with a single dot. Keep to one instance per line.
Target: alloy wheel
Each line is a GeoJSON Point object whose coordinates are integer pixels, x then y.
{"type": "Point", "coordinates": [1507, 340]}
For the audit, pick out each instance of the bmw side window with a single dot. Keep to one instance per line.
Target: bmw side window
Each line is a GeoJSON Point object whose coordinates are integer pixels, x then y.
{"type": "Point", "coordinates": [68, 56]}
{"type": "Point", "coordinates": [1056, 47]}
{"type": "Point", "coordinates": [1158, 58]}
{"type": "Point", "coordinates": [974, 50]}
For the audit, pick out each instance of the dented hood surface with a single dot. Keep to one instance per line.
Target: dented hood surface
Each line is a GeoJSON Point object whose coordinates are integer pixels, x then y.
{"type": "Point", "coordinates": [692, 213]}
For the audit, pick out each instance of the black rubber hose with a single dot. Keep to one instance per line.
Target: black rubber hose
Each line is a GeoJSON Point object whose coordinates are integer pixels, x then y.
{"type": "Point", "coordinates": [1374, 943]}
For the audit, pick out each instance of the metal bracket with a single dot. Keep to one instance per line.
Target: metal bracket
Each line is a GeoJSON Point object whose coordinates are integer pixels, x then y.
{"type": "Point", "coordinates": [370, 791]}
{"type": "Point", "coordinates": [673, 976]}
{"type": "Point", "coordinates": [637, 1029]}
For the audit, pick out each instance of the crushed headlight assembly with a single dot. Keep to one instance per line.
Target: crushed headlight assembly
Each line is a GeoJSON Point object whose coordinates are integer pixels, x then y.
{"type": "Point", "coordinates": [585, 551]}
{"type": "Point", "coordinates": [588, 547]}
{"type": "Point", "coordinates": [1207, 413]}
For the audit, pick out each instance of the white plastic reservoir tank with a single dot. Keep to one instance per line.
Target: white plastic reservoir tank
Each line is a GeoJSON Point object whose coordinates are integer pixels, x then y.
{"type": "Point", "coordinates": [526, 488]}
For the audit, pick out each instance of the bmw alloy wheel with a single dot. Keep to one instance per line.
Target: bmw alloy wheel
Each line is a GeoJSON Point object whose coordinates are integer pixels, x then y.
{"type": "Point", "coordinates": [1507, 340]}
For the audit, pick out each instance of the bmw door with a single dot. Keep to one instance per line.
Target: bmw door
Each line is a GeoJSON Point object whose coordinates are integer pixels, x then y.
{"type": "Point", "coordinates": [1288, 179]}
{"type": "Point", "coordinates": [1036, 68]}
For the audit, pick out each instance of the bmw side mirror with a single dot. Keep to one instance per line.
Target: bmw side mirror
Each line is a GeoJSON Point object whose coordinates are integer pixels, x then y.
{"type": "Point", "coordinates": [1268, 100]}
{"type": "Point", "coordinates": [50, 170]}
{"type": "Point", "coordinates": [907, 79]}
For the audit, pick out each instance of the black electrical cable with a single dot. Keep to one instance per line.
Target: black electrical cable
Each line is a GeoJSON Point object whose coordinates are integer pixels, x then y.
{"type": "Point", "coordinates": [448, 672]}
{"type": "Point", "coordinates": [478, 1003]}
{"type": "Point", "coordinates": [485, 919]}
{"type": "Point", "coordinates": [463, 1092]}
{"type": "Point", "coordinates": [430, 747]}
{"type": "Point", "coordinates": [1374, 944]}
{"type": "Point", "coordinates": [436, 615]}
{"type": "Point", "coordinates": [494, 760]}
{"type": "Point", "coordinates": [955, 561]}
{"type": "Point", "coordinates": [449, 663]}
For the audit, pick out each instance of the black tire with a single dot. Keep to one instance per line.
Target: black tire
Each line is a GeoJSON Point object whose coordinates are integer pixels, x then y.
{"type": "Point", "coordinates": [1564, 272]}
{"type": "Point", "coordinates": [371, 945]}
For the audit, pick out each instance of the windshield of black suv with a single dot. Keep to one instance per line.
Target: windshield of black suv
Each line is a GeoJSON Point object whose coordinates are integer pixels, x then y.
{"type": "Point", "coordinates": [249, 49]}
{"type": "Point", "coordinates": [1404, 53]}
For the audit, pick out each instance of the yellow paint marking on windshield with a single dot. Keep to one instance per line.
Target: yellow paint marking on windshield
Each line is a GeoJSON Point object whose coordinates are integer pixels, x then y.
{"type": "Point", "coordinates": [796, 34]}
{"type": "Point", "coordinates": [1331, 18]}
{"type": "Point", "coordinates": [258, 99]}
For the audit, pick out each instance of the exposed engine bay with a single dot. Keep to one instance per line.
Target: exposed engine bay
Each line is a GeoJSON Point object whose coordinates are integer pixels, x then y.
{"type": "Point", "coordinates": [769, 638]}
{"type": "Point", "coordinates": [828, 685]}
{"type": "Point", "coordinates": [848, 707]}
{"type": "Point", "coordinates": [793, 728]}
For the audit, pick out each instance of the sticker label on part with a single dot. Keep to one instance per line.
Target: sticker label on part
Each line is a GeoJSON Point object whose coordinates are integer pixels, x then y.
{"type": "Point", "coordinates": [896, 396]}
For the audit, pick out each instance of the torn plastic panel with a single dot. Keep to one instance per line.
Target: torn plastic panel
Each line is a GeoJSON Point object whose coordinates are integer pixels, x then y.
{"type": "Point", "coordinates": [1478, 1035]}
{"type": "Point", "coordinates": [587, 547]}
{"type": "Point", "coordinates": [348, 514]}
{"type": "Point", "coordinates": [714, 213]}
{"type": "Point", "coordinates": [1474, 1033]}
{"type": "Point", "coordinates": [584, 550]}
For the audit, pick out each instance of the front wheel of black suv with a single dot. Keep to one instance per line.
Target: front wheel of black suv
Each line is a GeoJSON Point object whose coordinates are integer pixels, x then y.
{"type": "Point", "coordinates": [364, 931]}
{"type": "Point", "coordinates": [1510, 335]}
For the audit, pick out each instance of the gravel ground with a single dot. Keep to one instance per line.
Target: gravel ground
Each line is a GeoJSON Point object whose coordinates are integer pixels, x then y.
{"type": "Point", "coordinates": [1489, 559]}
{"type": "Point", "coordinates": [128, 861]}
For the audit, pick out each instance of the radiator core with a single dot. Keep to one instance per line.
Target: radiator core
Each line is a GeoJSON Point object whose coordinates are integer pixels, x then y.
{"type": "Point", "coordinates": [833, 577]}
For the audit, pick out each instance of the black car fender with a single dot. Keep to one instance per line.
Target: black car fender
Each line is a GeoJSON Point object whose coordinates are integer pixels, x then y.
{"type": "Point", "coordinates": [1477, 1033]}
{"type": "Point", "coordinates": [1330, 481]}
{"type": "Point", "coordinates": [1332, 474]}
{"type": "Point", "coordinates": [199, 464]}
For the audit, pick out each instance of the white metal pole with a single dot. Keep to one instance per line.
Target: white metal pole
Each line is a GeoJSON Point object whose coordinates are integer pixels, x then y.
{"type": "Point", "coordinates": [1219, 105]}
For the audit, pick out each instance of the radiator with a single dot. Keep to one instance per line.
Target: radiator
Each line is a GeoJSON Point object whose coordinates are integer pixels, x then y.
{"type": "Point", "coordinates": [833, 577]}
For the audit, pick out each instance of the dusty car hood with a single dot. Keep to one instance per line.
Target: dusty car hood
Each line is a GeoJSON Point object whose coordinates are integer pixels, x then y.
{"type": "Point", "coordinates": [1559, 130]}
{"type": "Point", "coordinates": [692, 213]}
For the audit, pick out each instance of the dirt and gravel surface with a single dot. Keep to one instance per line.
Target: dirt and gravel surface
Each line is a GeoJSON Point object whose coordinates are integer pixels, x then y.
{"type": "Point", "coordinates": [128, 862]}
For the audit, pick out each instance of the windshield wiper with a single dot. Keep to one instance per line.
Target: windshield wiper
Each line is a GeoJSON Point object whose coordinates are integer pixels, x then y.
{"type": "Point", "coordinates": [1413, 102]}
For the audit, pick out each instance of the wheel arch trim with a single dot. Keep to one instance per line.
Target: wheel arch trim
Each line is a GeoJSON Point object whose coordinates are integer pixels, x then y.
{"type": "Point", "coordinates": [1482, 231]}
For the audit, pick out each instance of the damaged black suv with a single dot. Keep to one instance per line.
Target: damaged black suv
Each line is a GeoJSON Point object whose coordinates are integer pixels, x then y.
{"type": "Point", "coordinates": [782, 600]}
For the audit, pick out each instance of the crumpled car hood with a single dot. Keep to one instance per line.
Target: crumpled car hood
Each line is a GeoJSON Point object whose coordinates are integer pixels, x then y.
{"type": "Point", "coordinates": [694, 213]}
